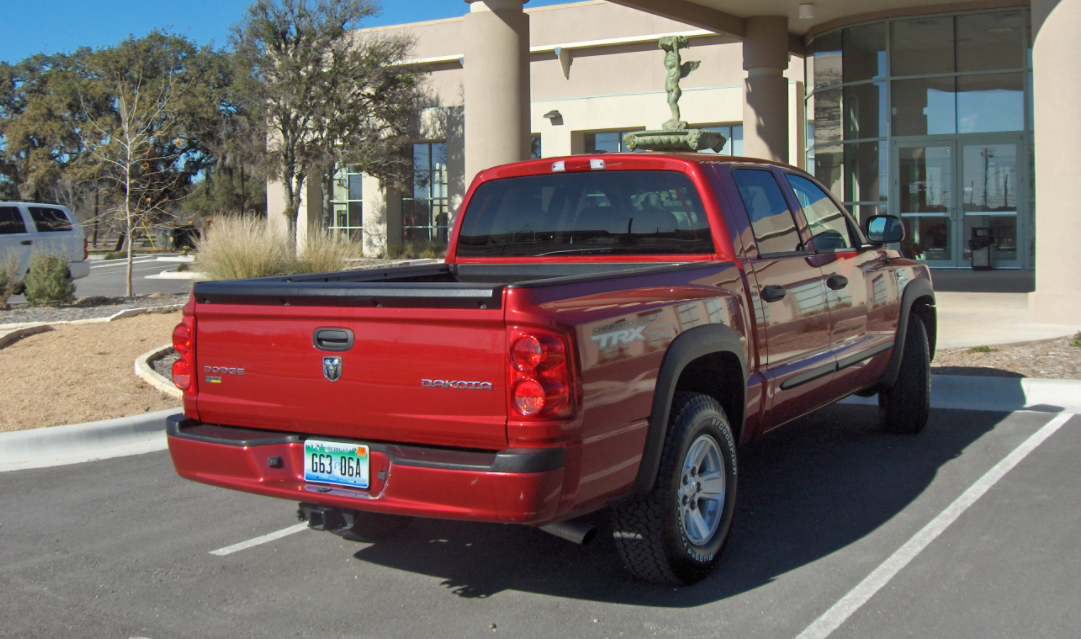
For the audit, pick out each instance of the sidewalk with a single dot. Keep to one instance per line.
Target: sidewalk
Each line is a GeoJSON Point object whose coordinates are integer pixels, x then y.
{"type": "Point", "coordinates": [988, 319]}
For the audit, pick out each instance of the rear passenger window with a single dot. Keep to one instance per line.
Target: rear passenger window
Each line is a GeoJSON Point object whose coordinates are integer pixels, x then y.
{"type": "Point", "coordinates": [773, 225]}
{"type": "Point", "coordinates": [49, 220]}
{"type": "Point", "coordinates": [826, 222]}
{"type": "Point", "coordinates": [11, 221]}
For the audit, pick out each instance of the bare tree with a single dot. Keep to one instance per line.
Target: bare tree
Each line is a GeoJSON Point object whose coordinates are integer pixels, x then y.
{"type": "Point", "coordinates": [128, 155]}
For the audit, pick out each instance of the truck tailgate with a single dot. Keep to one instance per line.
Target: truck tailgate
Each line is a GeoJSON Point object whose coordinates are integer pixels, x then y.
{"type": "Point", "coordinates": [392, 385]}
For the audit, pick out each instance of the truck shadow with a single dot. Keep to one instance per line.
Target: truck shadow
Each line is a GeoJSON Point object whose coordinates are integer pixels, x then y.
{"type": "Point", "coordinates": [805, 492]}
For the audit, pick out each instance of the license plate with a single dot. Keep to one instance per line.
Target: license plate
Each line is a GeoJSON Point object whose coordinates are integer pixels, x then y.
{"type": "Point", "coordinates": [336, 463]}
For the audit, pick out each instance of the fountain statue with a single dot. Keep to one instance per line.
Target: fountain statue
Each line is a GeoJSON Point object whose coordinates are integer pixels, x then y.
{"type": "Point", "coordinates": [674, 134]}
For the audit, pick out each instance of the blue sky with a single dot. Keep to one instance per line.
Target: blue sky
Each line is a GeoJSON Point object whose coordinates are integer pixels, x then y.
{"type": "Point", "coordinates": [31, 26]}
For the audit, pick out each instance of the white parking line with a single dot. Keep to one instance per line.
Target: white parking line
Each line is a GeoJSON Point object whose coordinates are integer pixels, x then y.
{"type": "Point", "coordinates": [284, 532]}
{"type": "Point", "coordinates": [850, 603]}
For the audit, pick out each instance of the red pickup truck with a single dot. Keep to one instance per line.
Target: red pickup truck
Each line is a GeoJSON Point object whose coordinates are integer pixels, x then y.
{"type": "Point", "coordinates": [605, 332]}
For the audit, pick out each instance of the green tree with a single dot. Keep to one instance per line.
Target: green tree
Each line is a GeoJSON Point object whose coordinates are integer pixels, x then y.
{"type": "Point", "coordinates": [328, 96]}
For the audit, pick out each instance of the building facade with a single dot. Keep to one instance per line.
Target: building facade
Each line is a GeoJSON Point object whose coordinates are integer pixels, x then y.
{"type": "Point", "coordinates": [947, 114]}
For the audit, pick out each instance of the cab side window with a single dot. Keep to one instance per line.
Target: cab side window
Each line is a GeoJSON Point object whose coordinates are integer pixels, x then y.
{"type": "Point", "coordinates": [827, 222]}
{"type": "Point", "coordinates": [11, 221]}
{"type": "Point", "coordinates": [49, 220]}
{"type": "Point", "coordinates": [773, 225]}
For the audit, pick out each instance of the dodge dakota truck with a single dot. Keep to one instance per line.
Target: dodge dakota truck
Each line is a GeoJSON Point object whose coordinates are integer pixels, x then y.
{"type": "Point", "coordinates": [605, 332]}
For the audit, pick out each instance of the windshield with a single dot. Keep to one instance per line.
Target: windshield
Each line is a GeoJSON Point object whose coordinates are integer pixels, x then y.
{"type": "Point", "coordinates": [616, 212]}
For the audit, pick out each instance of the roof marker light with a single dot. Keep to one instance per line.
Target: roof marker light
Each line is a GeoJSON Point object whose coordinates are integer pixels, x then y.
{"type": "Point", "coordinates": [559, 167]}
{"type": "Point", "coordinates": [597, 165]}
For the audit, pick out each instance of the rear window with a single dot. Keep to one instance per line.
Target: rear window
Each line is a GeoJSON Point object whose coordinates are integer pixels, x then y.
{"type": "Point", "coordinates": [615, 212]}
{"type": "Point", "coordinates": [48, 220]}
{"type": "Point", "coordinates": [11, 221]}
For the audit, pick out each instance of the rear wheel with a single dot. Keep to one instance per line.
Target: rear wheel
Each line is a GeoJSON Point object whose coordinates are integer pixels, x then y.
{"type": "Point", "coordinates": [904, 408]}
{"type": "Point", "coordinates": [675, 534]}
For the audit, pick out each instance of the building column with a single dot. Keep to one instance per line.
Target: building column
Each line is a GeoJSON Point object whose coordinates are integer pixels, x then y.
{"type": "Point", "coordinates": [765, 92]}
{"type": "Point", "coordinates": [496, 84]}
{"type": "Point", "coordinates": [1056, 63]}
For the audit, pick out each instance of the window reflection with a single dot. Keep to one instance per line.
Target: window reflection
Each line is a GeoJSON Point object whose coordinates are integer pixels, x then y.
{"type": "Point", "coordinates": [990, 103]}
{"type": "Point", "coordinates": [865, 108]}
{"type": "Point", "coordinates": [864, 52]}
{"type": "Point", "coordinates": [927, 106]}
{"type": "Point", "coordinates": [990, 41]}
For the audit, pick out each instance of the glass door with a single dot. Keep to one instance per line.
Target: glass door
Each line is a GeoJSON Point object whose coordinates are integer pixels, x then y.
{"type": "Point", "coordinates": [991, 190]}
{"type": "Point", "coordinates": [945, 188]}
{"type": "Point", "coordinates": [925, 191]}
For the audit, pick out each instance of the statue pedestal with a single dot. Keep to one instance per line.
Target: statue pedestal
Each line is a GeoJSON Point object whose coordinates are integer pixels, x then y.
{"type": "Point", "coordinates": [674, 140]}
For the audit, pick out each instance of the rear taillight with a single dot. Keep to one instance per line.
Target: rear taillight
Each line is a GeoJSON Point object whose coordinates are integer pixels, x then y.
{"type": "Point", "coordinates": [86, 249]}
{"type": "Point", "coordinates": [184, 344]}
{"type": "Point", "coordinates": [539, 383]}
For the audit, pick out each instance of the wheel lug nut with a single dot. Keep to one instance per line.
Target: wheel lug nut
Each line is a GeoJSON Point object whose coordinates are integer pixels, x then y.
{"type": "Point", "coordinates": [684, 500]}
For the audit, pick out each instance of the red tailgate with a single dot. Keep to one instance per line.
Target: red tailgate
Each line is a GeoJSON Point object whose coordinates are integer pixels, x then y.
{"type": "Point", "coordinates": [380, 395]}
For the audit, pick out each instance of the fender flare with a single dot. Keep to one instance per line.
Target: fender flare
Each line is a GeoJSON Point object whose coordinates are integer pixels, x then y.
{"type": "Point", "coordinates": [916, 289]}
{"type": "Point", "coordinates": [687, 347]}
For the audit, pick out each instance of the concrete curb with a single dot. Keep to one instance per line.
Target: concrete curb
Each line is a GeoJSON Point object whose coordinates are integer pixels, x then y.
{"type": "Point", "coordinates": [177, 258]}
{"type": "Point", "coordinates": [998, 394]}
{"type": "Point", "coordinates": [175, 275]}
{"type": "Point", "coordinates": [146, 372]}
{"type": "Point", "coordinates": [7, 337]}
{"type": "Point", "coordinates": [130, 312]}
{"type": "Point", "coordinates": [77, 443]}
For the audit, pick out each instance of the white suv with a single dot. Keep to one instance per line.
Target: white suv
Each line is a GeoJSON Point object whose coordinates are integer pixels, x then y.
{"type": "Point", "coordinates": [26, 227]}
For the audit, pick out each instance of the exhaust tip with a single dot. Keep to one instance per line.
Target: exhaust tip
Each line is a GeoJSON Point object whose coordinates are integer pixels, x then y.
{"type": "Point", "coordinates": [573, 531]}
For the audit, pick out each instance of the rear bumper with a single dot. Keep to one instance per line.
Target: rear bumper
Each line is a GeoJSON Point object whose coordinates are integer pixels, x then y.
{"type": "Point", "coordinates": [78, 270]}
{"type": "Point", "coordinates": [513, 486]}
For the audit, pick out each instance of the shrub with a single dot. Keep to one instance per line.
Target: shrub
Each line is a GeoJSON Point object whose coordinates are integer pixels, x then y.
{"type": "Point", "coordinates": [9, 277]}
{"type": "Point", "coordinates": [241, 247]}
{"type": "Point", "coordinates": [983, 349]}
{"type": "Point", "coordinates": [1076, 342]}
{"type": "Point", "coordinates": [325, 253]}
{"type": "Point", "coordinates": [48, 281]}
{"type": "Point", "coordinates": [116, 255]}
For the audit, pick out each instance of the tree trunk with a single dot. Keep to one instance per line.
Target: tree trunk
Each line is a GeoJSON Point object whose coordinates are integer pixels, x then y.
{"type": "Point", "coordinates": [97, 193]}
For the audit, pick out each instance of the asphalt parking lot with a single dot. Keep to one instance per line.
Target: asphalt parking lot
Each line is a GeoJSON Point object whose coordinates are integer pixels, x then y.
{"type": "Point", "coordinates": [122, 548]}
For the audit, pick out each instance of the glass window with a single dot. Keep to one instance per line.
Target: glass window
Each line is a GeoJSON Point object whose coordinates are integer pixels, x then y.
{"type": "Point", "coordinates": [865, 108]}
{"type": "Point", "coordinates": [827, 116]}
{"type": "Point", "coordinates": [989, 103]}
{"type": "Point", "coordinates": [535, 147]}
{"type": "Point", "coordinates": [11, 221]}
{"type": "Point", "coordinates": [827, 223]}
{"type": "Point", "coordinates": [865, 52]}
{"type": "Point", "coordinates": [608, 142]}
{"type": "Point", "coordinates": [347, 205]}
{"type": "Point", "coordinates": [425, 214]}
{"type": "Point", "coordinates": [733, 139]}
{"type": "Point", "coordinates": [927, 106]}
{"type": "Point", "coordinates": [772, 223]}
{"type": "Point", "coordinates": [828, 164]}
{"type": "Point", "coordinates": [603, 212]}
{"type": "Point", "coordinates": [990, 41]}
{"type": "Point", "coordinates": [922, 46]}
{"type": "Point", "coordinates": [48, 220]}
{"type": "Point", "coordinates": [827, 60]}
{"type": "Point", "coordinates": [866, 172]}
{"type": "Point", "coordinates": [989, 178]}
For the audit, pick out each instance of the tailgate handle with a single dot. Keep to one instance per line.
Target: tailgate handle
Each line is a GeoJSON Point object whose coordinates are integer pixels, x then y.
{"type": "Point", "coordinates": [333, 339]}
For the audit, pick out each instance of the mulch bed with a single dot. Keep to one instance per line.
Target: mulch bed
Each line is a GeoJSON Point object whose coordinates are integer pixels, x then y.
{"type": "Point", "coordinates": [1051, 359]}
{"type": "Point", "coordinates": [86, 308]}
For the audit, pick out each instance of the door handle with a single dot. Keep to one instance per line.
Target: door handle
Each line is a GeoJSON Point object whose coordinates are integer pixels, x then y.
{"type": "Point", "coordinates": [837, 282]}
{"type": "Point", "coordinates": [333, 339]}
{"type": "Point", "coordinates": [26, 242]}
{"type": "Point", "coordinates": [773, 293]}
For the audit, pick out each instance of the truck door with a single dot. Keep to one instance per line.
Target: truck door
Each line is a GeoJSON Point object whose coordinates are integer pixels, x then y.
{"type": "Point", "coordinates": [789, 295]}
{"type": "Point", "coordinates": [15, 236]}
{"type": "Point", "coordinates": [860, 349]}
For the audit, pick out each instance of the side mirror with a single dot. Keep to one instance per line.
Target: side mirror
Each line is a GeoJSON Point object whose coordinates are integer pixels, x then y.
{"type": "Point", "coordinates": [884, 229]}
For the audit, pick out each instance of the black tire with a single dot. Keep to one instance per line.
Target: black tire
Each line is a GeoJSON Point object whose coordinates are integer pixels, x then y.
{"type": "Point", "coordinates": [904, 408]}
{"type": "Point", "coordinates": [649, 531]}
{"type": "Point", "coordinates": [369, 527]}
